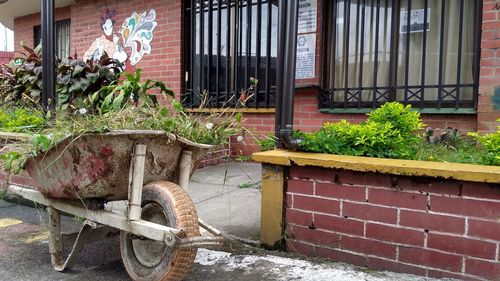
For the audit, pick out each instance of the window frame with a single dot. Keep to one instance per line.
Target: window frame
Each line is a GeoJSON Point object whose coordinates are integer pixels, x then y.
{"type": "Point", "coordinates": [326, 104]}
{"type": "Point", "coordinates": [65, 23]}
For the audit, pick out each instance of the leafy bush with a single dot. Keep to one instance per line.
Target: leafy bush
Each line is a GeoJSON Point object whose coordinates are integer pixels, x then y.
{"type": "Point", "coordinates": [76, 79]}
{"type": "Point", "coordinates": [22, 82]}
{"type": "Point", "coordinates": [21, 120]}
{"type": "Point", "coordinates": [121, 93]}
{"type": "Point", "coordinates": [491, 143]}
{"type": "Point", "coordinates": [400, 117]}
{"type": "Point", "coordinates": [389, 132]}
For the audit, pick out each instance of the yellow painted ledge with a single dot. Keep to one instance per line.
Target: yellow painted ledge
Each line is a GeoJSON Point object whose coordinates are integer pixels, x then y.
{"type": "Point", "coordinates": [466, 172]}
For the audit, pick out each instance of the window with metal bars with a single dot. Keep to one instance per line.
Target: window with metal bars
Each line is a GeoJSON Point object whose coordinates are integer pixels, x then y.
{"type": "Point", "coordinates": [226, 43]}
{"type": "Point", "coordinates": [63, 37]}
{"type": "Point", "coordinates": [419, 52]}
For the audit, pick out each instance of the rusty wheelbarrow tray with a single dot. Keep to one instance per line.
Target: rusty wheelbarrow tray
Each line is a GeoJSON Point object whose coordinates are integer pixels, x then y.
{"type": "Point", "coordinates": [160, 230]}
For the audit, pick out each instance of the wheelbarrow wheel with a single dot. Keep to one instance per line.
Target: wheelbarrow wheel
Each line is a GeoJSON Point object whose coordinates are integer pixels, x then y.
{"type": "Point", "coordinates": [168, 204]}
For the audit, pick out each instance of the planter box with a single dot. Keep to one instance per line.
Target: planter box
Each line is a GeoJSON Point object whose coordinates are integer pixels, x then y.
{"type": "Point", "coordinates": [426, 218]}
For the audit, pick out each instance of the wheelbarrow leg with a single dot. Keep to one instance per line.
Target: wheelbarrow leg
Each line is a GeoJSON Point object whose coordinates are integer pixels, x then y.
{"type": "Point", "coordinates": [89, 232]}
{"type": "Point", "coordinates": [55, 238]}
{"type": "Point", "coordinates": [185, 168]}
{"type": "Point", "coordinates": [136, 180]}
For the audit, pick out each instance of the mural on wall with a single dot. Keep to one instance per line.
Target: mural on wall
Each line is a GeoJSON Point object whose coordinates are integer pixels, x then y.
{"type": "Point", "coordinates": [130, 43]}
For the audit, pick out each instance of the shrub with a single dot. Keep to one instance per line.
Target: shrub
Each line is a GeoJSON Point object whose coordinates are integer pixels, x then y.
{"type": "Point", "coordinates": [390, 132]}
{"type": "Point", "coordinates": [491, 143]}
{"type": "Point", "coordinates": [22, 82]}
{"type": "Point", "coordinates": [21, 120]}
{"type": "Point", "coordinates": [401, 118]}
{"type": "Point", "coordinates": [76, 79]}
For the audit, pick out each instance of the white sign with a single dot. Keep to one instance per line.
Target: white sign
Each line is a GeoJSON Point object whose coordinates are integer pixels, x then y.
{"type": "Point", "coordinates": [416, 21]}
{"type": "Point", "coordinates": [306, 56]}
{"type": "Point", "coordinates": [308, 15]}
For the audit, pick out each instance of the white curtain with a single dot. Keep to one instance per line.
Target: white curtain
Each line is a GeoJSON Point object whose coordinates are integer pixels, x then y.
{"type": "Point", "coordinates": [352, 53]}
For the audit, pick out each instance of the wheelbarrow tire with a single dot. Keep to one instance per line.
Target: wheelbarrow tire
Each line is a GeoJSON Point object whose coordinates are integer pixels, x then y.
{"type": "Point", "coordinates": [164, 264]}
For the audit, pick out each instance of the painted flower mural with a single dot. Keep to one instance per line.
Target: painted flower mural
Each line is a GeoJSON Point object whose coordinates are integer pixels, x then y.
{"type": "Point", "coordinates": [130, 43]}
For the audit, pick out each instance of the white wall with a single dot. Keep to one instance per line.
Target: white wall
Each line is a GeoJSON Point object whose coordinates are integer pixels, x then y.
{"type": "Point", "coordinates": [6, 39]}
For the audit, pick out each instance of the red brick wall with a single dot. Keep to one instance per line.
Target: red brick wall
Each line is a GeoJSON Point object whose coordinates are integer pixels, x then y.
{"type": "Point", "coordinates": [423, 226]}
{"type": "Point", "coordinates": [164, 62]}
{"type": "Point", "coordinates": [6, 57]}
{"type": "Point", "coordinates": [490, 67]}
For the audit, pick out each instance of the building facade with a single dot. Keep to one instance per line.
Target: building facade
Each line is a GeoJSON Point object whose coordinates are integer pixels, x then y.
{"type": "Point", "coordinates": [6, 57]}
{"type": "Point", "coordinates": [441, 56]}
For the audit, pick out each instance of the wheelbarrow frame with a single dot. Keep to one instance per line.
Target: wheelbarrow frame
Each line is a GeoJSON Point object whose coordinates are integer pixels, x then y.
{"type": "Point", "coordinates": [100, 223]}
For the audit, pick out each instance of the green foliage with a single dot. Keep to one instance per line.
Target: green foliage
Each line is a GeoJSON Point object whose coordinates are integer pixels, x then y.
{"type": "Point", "coordinates": [22, 82]}
{"type": "Point", "coordinates": [256, 185]}
{"type": "Point", "coordinates": [389, 132]}
{"type": "Point", "coordinates": [76, 79]}
{"type": "Point", "coordinates": [400, 117]}
{"type": "Point", "coordinates": [267, 143]}
{"type": "Point", "coordinates": [127, 92]}
{"type": "Point", "coordinates": [21, 119]}
{"type": "Point", "coordinates": [462, 151]}
{"type": "Point", "coordinates": [491, 143]}
{"type": "Point", "coordinates": [11, 161]}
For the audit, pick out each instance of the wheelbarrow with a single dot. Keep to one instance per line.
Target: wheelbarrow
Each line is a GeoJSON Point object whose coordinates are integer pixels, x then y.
{"type": "Point", "coordinates": [159, 229]}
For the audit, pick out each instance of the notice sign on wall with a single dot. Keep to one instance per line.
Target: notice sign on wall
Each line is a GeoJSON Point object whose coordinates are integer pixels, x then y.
{"type": "Point", "coordinates": [308, 15]}
{"type": "Point", "coordinates": [306, 56]}
{"type": "Point", "coordinates": [417, 21]}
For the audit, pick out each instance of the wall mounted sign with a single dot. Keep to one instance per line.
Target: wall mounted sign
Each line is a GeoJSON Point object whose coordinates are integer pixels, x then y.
{"type": "Point", "coordinates": [308, 16]}
{"type": "Point", "coordinates": [306, 56]}
{"type": "Point", "coordinates": [417, 18]}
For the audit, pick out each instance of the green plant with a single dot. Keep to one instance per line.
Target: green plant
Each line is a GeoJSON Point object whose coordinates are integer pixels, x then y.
{"type": "Point", "coordinates": [243, 158]}
{"type": "Point", "coordinates": [76, 79]}
{"type": "Point", "coordinates": [462, 151]}
{"type": "Point", "coordinates": [123, 92]}
{"type": "Point", "coordinates": [401, 118]}
{"type": "Point", "coordinates": [256, 185]}
{"type": "Point", "coordinates": [11, 161]}
{"type": "Point", "coordinates": [210, 129]}
{"type": "Point", "coordinates": [491, 143]}
{"type": "Point", "coordinates": [390, 132]}
{"type": "Point", "coordinates": [267, 143]}
{"type": "Point", "coordinates": [22, 82]}
{"type": "Point", "coordinates": [21, 119]}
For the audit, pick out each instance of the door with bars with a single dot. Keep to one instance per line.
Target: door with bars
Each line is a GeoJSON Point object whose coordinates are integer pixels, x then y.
{"type": "Point", "coordinates": [228, 42]}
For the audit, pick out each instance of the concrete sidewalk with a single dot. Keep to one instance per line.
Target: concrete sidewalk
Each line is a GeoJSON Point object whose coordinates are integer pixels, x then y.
{"type": "Point", "coordinates": [227, 196]}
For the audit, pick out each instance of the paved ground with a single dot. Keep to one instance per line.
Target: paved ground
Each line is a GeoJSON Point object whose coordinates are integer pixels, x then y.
{"type": "Point", "coordinates": [228, 197]}
{"type": "Point", "coordinates": [230, 201]}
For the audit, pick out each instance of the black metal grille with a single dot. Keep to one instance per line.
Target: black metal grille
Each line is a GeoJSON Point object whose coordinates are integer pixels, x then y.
{"type": "Point", "coordinates": [63, 37]}
{"type": "Point", "coordinates": [226, 43]}
{"type": "Point", "coordinates": [424, 53]}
